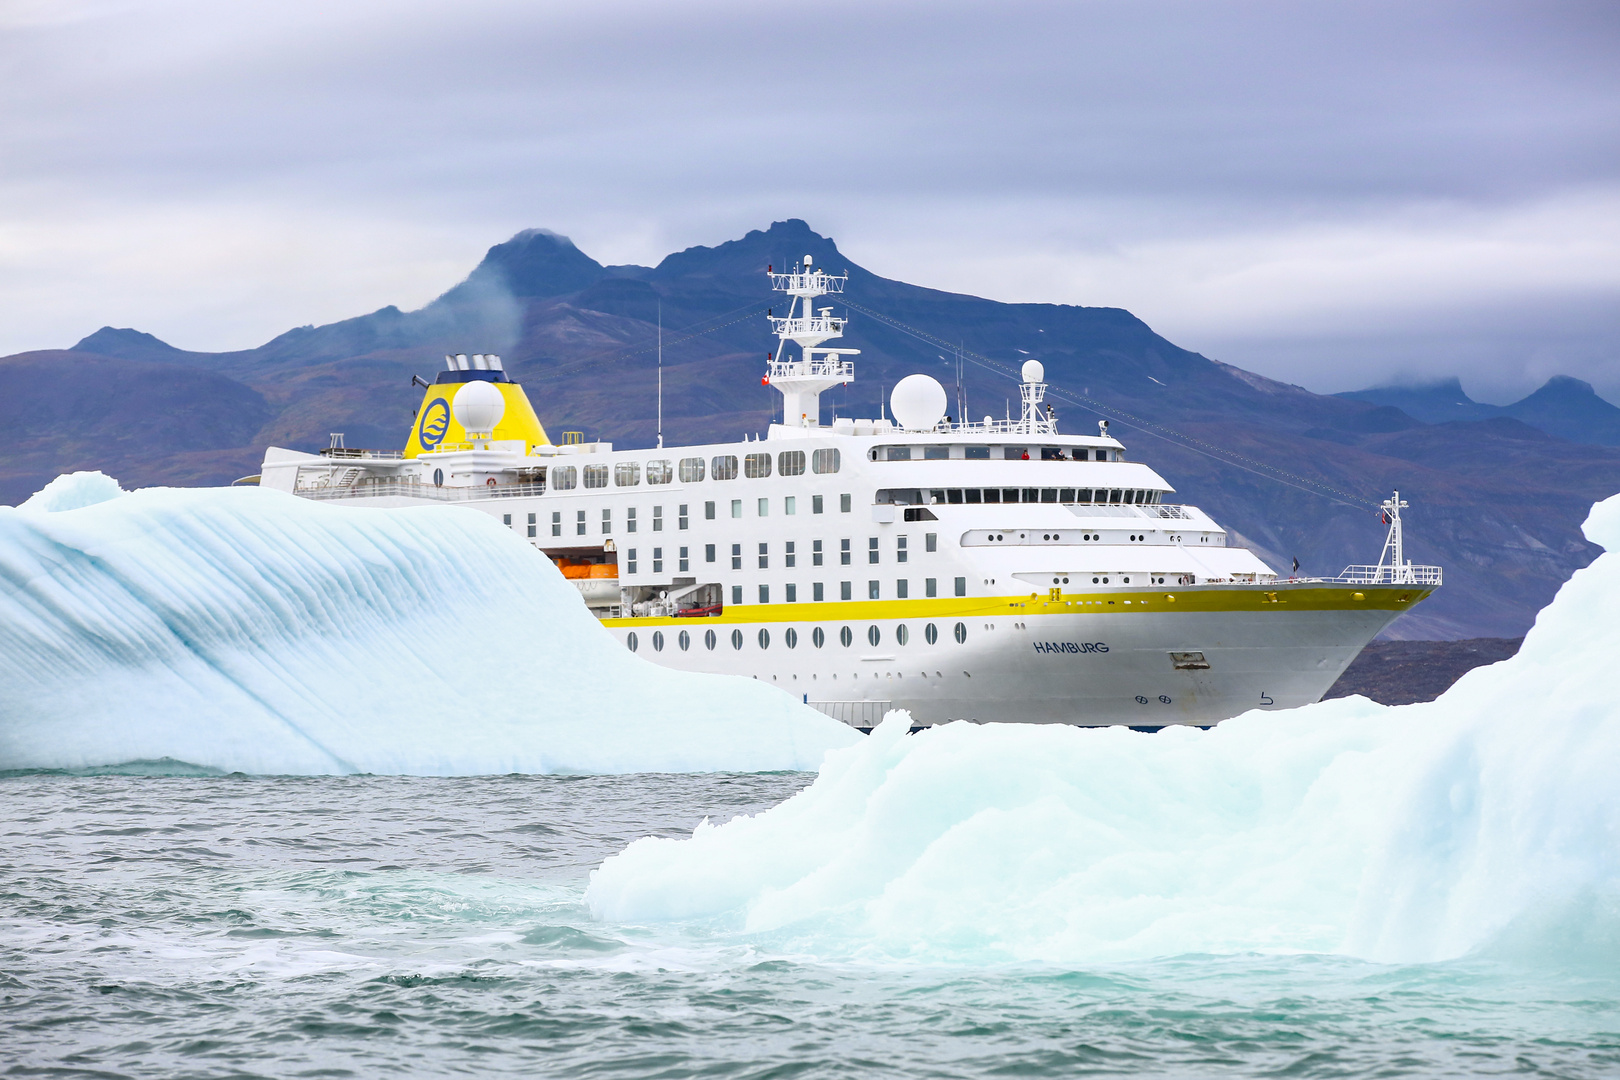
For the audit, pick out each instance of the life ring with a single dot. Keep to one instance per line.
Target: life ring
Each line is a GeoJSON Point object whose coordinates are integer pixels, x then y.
{"type": "Point", "coordinates": [490, 482]}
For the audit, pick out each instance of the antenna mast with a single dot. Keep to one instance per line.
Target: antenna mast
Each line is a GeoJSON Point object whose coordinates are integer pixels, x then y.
{"type": "Point", "coordinates": [660, 373]}
{"type": "Point", "coordinates": [818, 368]}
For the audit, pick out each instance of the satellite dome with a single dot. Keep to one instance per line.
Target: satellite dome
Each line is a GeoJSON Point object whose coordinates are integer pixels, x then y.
{"type": "Point", "coordinates": [918, 402]}
{"type": "Point", "coordinates": [478, 407]}
{"type": "Point", "coordinates": [1034, 371]}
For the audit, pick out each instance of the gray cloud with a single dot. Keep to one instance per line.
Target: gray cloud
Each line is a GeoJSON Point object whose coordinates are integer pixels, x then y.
{"type": "Point", "coordinates": [1289, 187]}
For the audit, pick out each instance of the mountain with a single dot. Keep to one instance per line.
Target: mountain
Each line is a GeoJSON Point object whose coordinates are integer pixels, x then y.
{"type": "Point", "coordinates": [1565, 407]}
{"type": "Point", "coordinates": [1495, 499]}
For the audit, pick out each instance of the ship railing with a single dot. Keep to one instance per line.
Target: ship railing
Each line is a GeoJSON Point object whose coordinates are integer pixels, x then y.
{"type": "Point", "coordinates": [347, 453]}
{"type": "Point", "coordinates": [822, 367]}
{"type": "Point", "coordinates": [417, 490]}
{"type": "Point", "coordinates": [1388, 575]}
{"type": "Point", "coordinates": [801, 326]}
{"type": "Point", "coordinates": [1040, 426]}
{"type": "Point", "coordinates": [813, 281]}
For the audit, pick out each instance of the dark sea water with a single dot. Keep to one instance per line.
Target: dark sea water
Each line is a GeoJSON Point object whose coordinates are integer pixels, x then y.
{"type": "Point", "coordinates": [162, 926]}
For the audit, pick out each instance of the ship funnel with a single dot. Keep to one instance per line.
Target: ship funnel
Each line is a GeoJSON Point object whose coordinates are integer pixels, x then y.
{"type": "Point", "coordinates": [495, 409]}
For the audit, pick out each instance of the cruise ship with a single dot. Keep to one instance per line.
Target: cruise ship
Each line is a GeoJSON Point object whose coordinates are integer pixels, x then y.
{"type": "Point", "coordinates": [986, 571]}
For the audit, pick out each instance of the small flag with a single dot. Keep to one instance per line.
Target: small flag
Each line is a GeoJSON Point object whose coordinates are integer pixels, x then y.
{"type": "Point", "coordinates": [1296, 564]}
{"type": "Point", "coordinates": [764, 380]}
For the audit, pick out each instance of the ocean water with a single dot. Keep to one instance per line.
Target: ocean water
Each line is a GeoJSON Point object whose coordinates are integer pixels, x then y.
{"type": "Point", "coordinates": [207, 926]}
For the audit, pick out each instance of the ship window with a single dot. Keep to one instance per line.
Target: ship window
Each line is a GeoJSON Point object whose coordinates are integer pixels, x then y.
{"type": "Point", "coordinates": [764, 634]}
{"type": "Point", "coordinates": [686, 560]}
{"type": "Point", "coordinates": [1083, 495]}
{"type": "Point", "coordinates": [506, 519]}
{"type": "Point", "coordinates": [872, 591]}
{"type": "Point", "coordinates": [970, 495]}
{"type": "Point", "coordinates": [626, 474]}
{"type": "Point", "coordinates": [764, 594]}
{"type": "Point", "coordinates": [961, 630]}
{"type": "Point", "coordinates": [659, 472]}
{"type": "Point", "coordinates": [961, 586]}
{"type": "Point", "coordinates": [1009, 495]}
{"type": "Point", "coordinates": [1052, 453]}
{"type": "Point", "coordinates": [684, 641]}
{"type": "Point", "coordinates": [936, 496]}
{"type": "Point", "coordinates": [736, 594]}
{"type": "Point", "coordinates": [685, 519]}
{"type": "Point", "coordinates": [873, 635]}
{"type": "Point", "coordinates": [815, 553]}
{"type": "Point", "coordinates": [708, 553]}
{"type": "Point", "coordinates": [901, 635]}
{"type": "Point", "coordinates": [533, 531]}
{"type": "Point", "coordinates": [818, 594]}
{"type": "Point", "coordinates": [658, 560]}
{"type": "Point", "coordinates": [579, 522]}
{"type": "Point", "coordinates": [790, 636]}
{"type": "Point", "coordinates": [920, 513]}
{"type": "Point", "coordinates": [977, 453]}
{"type": "Point", "coordinates": [736, 639]}
{"type": "Point", "coordinates": [630, 561]}
{"type": "Point", "coordinates": [764, 556]}
{"type": "Point", "coordinates": [790, 463]}
{"type": "Point", "coordinates": [556, 523]}
{"type": "Point", "coordinates": [630, 520]}
{"type": "Point", "coordinates": [607, 520]}
{"type": "Point", "coordinates": [757, 466]}
{"type": "Point", "coordinates": [815, 504]}
{"type": "Point", "coordinates": [764, 507]}
{"type": "Point", "coordinates": [736, 508]}
{"type": "Point", "coordinates": [1066, 496]}
{"type": "Point", "coordinates": [902, 591]}
{"type": "Point", "coordinates": [1015, 453]}
{"type": "Point", "coordinates": [846, 636]}
{"type": "Point", "coordinates": [900, 549]}
{"type": "Point", "coordinates": [843, 504]}
{"type": "Point", "coordinates": [708, 639]}
{"type": "Point", "coordinates": [954, 496]}
{"type": "Point", "coordinates": [1049, 495]}
{"type": "Point", "coordinates": [631, 641]}
{"type": "Point", "coordinates": [596, 476]}
{"type": "Point", "coordinates": [846, 590]}
{"type": "Point", "coordinates": [930, 541]}
{"type": "Point", "coordinates": [899, 453]}
{"type": "Point", "coordinates": [792, 595]}
{"type": "Point", "coordinates": [818, 637]}
{"type": "Point", "coordinates": [843, 555]}
{"type": "Point", "coordinates": [936, 453]}
{"type": "Point", "coordinates": [930, 632]}
{"type": "Point", "coordinates": [736, 560]}
{"type": "Point", "coordinates": [1102, 455]}
{"type": "Point", "coordinates": [564, 478]}
{"type": "Point", "coordinates": [658, 519]}
{"type": "Point", "coordinates": [1114, 495]}
{"type": "Point", "coordinates": [930, 589]}
{"type": "Point", "coordinates": [824, 461]}
{"type": "Point", "coordinates": [1189, 661]}
{"type": "Point", "coordinates": [724, 467]}
{"type": "Point", "coordinates": [658, 641]}
{"type": "Point", "coordinates": [872, 549]}
{"type": "Point", "coordinates": [691, 470]}
{"type": "Point", "coordinates": [992, 495]}
{"type": "Point", "coordinates": [708, 511]}
{"type": "Point", "coordinates": [789, 558]}
{"type": "Point", "coordinates": [790, 504]}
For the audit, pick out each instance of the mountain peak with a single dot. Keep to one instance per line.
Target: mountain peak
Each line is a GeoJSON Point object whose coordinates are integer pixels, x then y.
{"type": "Point", "coordinates": [126, 344]}
{"type": "Point", "coordinates": [534, 264]}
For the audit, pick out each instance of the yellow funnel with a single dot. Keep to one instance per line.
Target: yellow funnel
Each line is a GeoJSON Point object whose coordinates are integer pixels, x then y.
{"type": "Point", "coordinates": [436, 428]}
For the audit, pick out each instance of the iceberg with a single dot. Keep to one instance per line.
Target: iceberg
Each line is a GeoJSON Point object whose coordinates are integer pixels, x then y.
{"type": "Point", "coordinates": [1488, 819]}
{"type": "Point", "coordinates": [246, 630]}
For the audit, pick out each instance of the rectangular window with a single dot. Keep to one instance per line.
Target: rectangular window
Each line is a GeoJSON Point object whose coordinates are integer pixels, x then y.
{"type": "Point", "coordinates": [977, 453]}
{"type": "Point", "coordinates": [630, 561]}
{"type": "Point", "coordinates": [902, 589]}
{"type": "Point", "coordinates": [506, 519]}
{"type": "Point", "coordinates": [607, 520]}
{"type": "Point", "coordinates": [824, 461]}
{"type": "Point", "coordinates": [736, 556]}
{"type": "Point", "coordinates": [899, 453]}
{"type": "Point", "coordinates": [790, 463]}
{"type": "Point", "coordinates": [756, 466]}
{"type": "Point", "coordinates": [658, 519]}
{"type": "Point", "coordinates": [736, 590]}
{"type": "Point", "coordinates": [533, 529]}
{"type": "Point", "coordinates": [659, 472]}
{"type": "Point", "coordinates": [930, 541]}
{"type": "Point", "coordinates": [724, 468]}
{"type": "Point", "coordinates": [961, 586]}
{"type": "Point", "coordinates": [764, 594]}
{"type": "Point", "coordinates": [817, 593]}
{"type": "Point", "coordinates": [936, 453]}
{"type": "Point", "coordinates": [843, 504]}
{"type": "Point", "coordinates": [815, 504]}
{"type": "Point", "coordinates": [683, 522]}
{"type": "Point", "coordinates": [815, 553]}
{"type": "Point", "coordinates": [792, 593]}
{"type": "Point", "coordinates": [736, 508]}
{"type": "Point", "coordinates": [691, 470]}
{"type": "Point", "coordinates": [899, 549]}
{"type": "Point", "coordinates": [658, 560]}
{"type": "Point", "coordinates": [846, 591]}
{"type": "Point", "coordinates": [556, 523]}
{"type": "Point", "coordinates": [843, 553]}
{"type": "Point", "coordinates": [708, 553]}
{"type": "Point", "coordinates": [1015, 453]}
{"type": "Point", "coordinates": [871, 590]}
{"type": "Point", "coordinates": [686, 562]}
{"type": "Point", "coordinates": [708, 511]}
{"type": "Point", "coordinates": [579, 522]}
{"type": "Point", "coordinates": [972, 495]}
{"type": "Point", "coordinates": [764, 507]}
{"type": "Point", "coordinates": [930, 587]}
{"type": "Point", "coordinates": [789, 559]}
{"type": "Point", "coordinates": [629, 520]}
{"type": "Point", "coordinates": [872, 549]}
{"type": "Point", "coordinates": [790, 504]}
{"type": "Point", "coordinates": [764, 557]}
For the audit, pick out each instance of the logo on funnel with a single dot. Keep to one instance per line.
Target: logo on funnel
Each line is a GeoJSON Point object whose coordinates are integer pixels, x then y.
{"type": "Point", "coordinates": [435, 422]}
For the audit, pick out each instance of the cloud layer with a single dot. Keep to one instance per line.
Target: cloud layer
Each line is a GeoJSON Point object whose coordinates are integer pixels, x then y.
{"type": "Point", "coordinates": [1332, 194]}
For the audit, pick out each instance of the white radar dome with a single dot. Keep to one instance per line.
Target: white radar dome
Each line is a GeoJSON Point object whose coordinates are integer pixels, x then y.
{"type": "Point", "coordinates": [478, 407]}
{"type": "Point", "coordinates": [1034, 371]}
{"type": "Point", "coordinates": [918, 402]}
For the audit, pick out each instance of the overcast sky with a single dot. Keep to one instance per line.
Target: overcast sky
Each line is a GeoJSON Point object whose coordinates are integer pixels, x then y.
{"type": "Point", "coordinates": [1334, 194]}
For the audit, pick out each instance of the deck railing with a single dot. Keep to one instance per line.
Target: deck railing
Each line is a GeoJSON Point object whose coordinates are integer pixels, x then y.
{"type": "Point", "coordinates": [381, 488]}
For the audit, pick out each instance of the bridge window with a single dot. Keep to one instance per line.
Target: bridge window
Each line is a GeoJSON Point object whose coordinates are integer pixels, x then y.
{"type": "Point", "coordinates": [757, 466]}
{"type": "Point", "coordinates": [724, 467]}
{"type": "Point", "coordinates": [790, 463]}
{"type": "Point", "coordinates": [691, 470]}
{"type": "Point", "coordinates": [659, 472]}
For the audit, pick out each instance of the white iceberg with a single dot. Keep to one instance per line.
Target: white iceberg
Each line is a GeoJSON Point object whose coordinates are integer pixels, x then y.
{"type": "Point", "coordinates": [248, 630]}
{"type": "Point", "coordinates": [1488, 817]}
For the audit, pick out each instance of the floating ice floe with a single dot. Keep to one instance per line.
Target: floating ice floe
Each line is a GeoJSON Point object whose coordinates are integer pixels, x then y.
{"type": "Point", "coordinates": [248, 630]}
{"type": "Point", "coordinates": [1487, 818]}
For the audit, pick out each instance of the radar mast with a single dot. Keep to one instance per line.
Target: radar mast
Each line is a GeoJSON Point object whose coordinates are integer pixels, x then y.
{"type": "Point", "coordinates": [802, 379]}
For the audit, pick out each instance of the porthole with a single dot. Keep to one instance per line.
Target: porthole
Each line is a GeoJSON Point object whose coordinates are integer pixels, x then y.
{"type": "Point", "coordinates": [631, 641]}
{"type": "Point", "coordinates": [764, 638]}
{"type": "Point", "coordinates": [1065, 581]}
{"type": "Point", "coordinates": [847, 636]}
{"type": "Point", "coordinates": [736, 639]}
{"type": "Point", "coordinates": [685, 641]}
{"type": "Point", "coordinates": [1094, 580]}
{"type": "Point", "coordinates": [438, 478]}
{"type": "Point", "coordinates": [961, 633]}
{"type": "Point", "coordinates": [791, 637]}
{"type": "Point", "coordinates": [1046, 536]}
{"type": "Point", "coordinates": [1105, 581]}
{"type": "Point", "coordinates": [901, 635]}
{"type": "Point", "coordinates": [658, 641]}
{"type": "Point", "coordinates": [1057, 536]}
{"type": "Point", "coordinates": [873, 635]}
{"type": "Point", "coordinates": [708, 639]}
{"type": "Point", "coordinates": [1126, 580]}
{"type": "Point", "coordinates": [817, 638]}
{"type": "Point", "coordinates": [930, 633]}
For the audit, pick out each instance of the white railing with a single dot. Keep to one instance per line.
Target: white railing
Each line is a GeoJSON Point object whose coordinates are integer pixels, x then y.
{"type": "Point", "coordinates": [814, 281]}
{"type": "Point", "coordinates": [408, 489]}
{"type": "Point", "coordinates": [1388, 575]}
{"type": "Point", "coordinates": [822, 367]}
{"type": "Point", "coordinates": [808, 326]}
{"type": "Point", "coordinates": [345, 452]}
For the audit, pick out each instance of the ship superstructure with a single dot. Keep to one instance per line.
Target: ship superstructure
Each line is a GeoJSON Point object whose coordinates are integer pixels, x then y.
{"type": "Point", "coordinates": [992, 571]}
